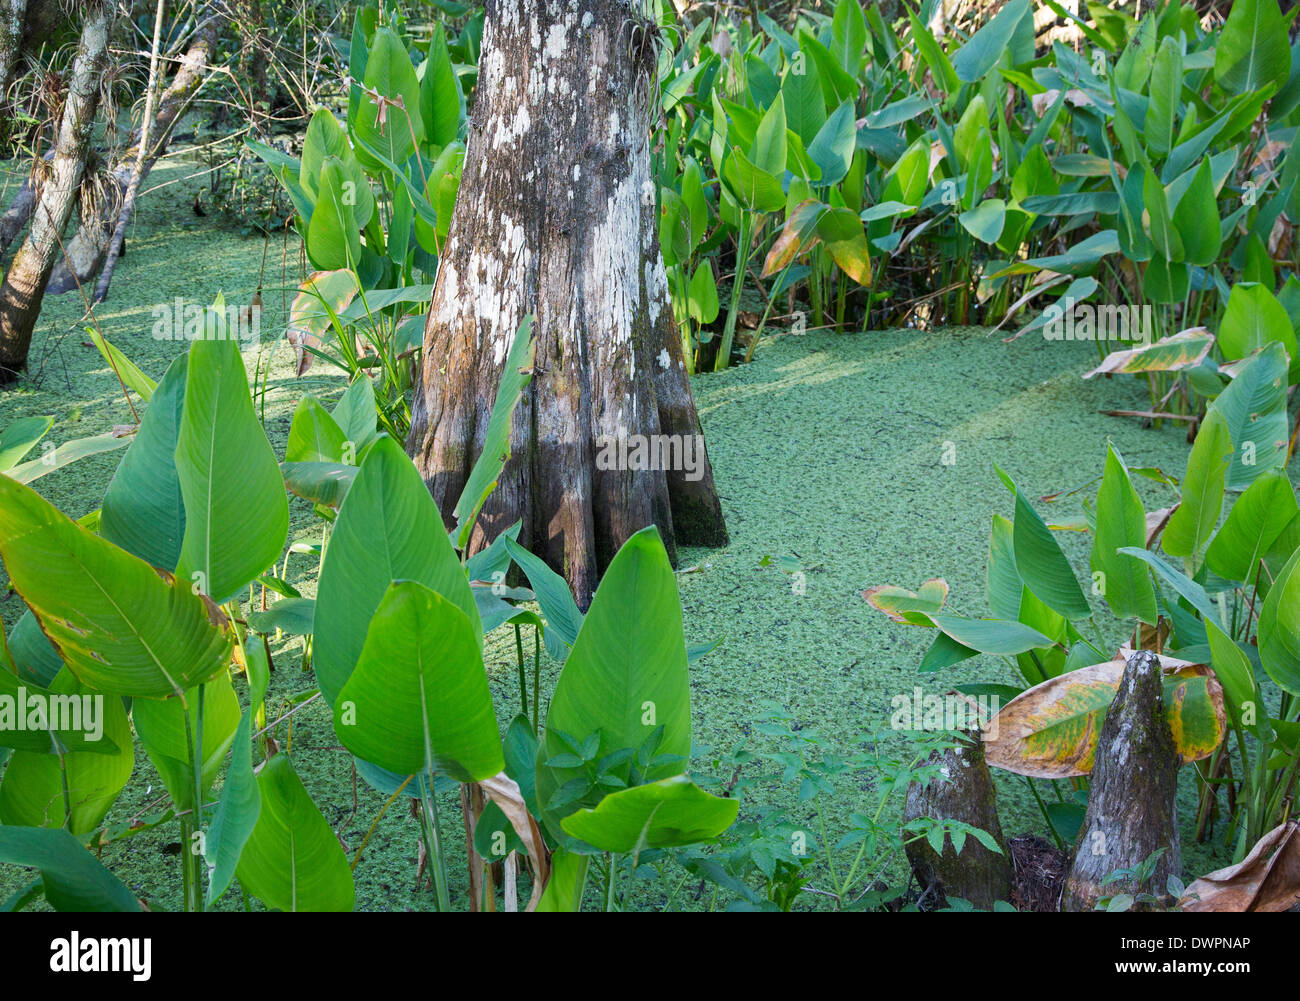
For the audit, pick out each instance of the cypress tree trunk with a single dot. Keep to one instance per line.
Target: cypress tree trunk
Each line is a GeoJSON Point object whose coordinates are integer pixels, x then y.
{"type": "Point", "coordinates": [556, 217]}
{"type": "Point", "coordinates": [1131, 811]}
{"type": "Point", "coordinates": [965, 793]}
{"type": "Point", "coordinates": [24, 283]}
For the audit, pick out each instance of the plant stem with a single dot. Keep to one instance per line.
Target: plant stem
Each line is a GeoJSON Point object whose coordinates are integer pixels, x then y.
{"type": "Point", "coordinates": [433, 838]}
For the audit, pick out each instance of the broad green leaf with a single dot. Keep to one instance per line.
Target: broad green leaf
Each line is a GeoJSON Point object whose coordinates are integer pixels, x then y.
{"type": "Point", "coordinates": [292, 860]}
{"type": "Point", "coordinates": [849, 35]}
{"type": "Point", "coordinates": [120, 364]}
{"type": "Point", "coordinates": [516, 373]}
{"type": "Point", "coordinates": [984, 48]}
{"type": "Point", "coordinates": [1257, 518]}
{"type": "Point", "coordinates": [941, 70]}
{"type": "Point", "coordinates": [1192, 524]}
{"type": "Point", "coordinates": [801, 93]}
{"type": "Point", "coordinates": [20, 437]}
{"type": "Point", "coordinates": [1254, 408]}
{"type": "Point", "coordinates": [236, 510]}
{"type": "Point", "coordinates": [1279, 628]}
{"type": "Point", "coordinates": [1253, 47]}
{"type": "Point", "coordinates": [1041, 563]}
{"type": "Point", "coordinates": [1166, 93]}
{"type": "Point", "coordinates": [120, 626]}
{"type": "Point", "coordinates": [1252, 320]}
{"type": "Point", "coordinates": [31, 715]}
{"type": "Point", "coordinates": [563, 893]}
{"type": "Point", "coordinates": [397, 129]}
{"type": "Point", "coordinates": [73, 879]}
{"type": "Point", "coordinates": [563, 619]}
{"type": "Point", "coordinates": [324, 483]}
{"type": "Point", "coordinates": [833, 146]}
{"type": "Point", "coordinates": [703, 301]}
{"type": "Point", "coordinates": [994, 636]}
{"type": "Point", "coordinates": [1121, 521]}
{"type": "Point", "coordinates": [985, 221]}
{"type": "Point", "coordinates": [325, 139]}
{"type": "Point", "coordinates": [753, 187]}
{"type": "Point", "coordinates": [161, 726]}
{"type": "Point", "coordinates": [314, 436]}
{"type": "Point", "coordinates": [1233, 669]}
{"type": "Point", "coordinates": [627, 673]}
{"type": "Point", "coordinates": [1196, 218]}
{"type": "Point", "coordinates": [355, 414]}
{"type": "Point", "coordinates": [440, 97]}
{"type": "Point", "coordinates": [670, 813]}
{"type": "Point", "coordinates": [1005, 588]}
{"type": "Point", "coordinates": [333, 235]}
{"type": "Point", "coordinates": [388, 529]}
{"type": "Point", "coordinates": [1185, 586]}
{"type": "Point", "coordinates": [143, 510]}
{"type": "Point", "coordinates": [32, 790]}
{"type": "Point", "coordinates": [236, 814]}
{"type": "Point", "coordinates": [293, 616]}
{"type": "Point", "coordinates": [768, 153]}
{"type": "Point", "coordinates": [418, 700]}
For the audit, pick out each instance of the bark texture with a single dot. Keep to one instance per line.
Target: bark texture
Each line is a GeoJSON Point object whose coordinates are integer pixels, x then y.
{"type": "Point", "coordinates": [13, 13]}
{"type": "Point", "coordinates": [556, 217]}
{"type": "Point", "coordinates": [1131, 811]}
{"type": "Point", "coordinates": [98, 242]}
{"type": "Point", "coordinates": [976, 874]}
{"type": "Point", "coordinates": [25, 282]}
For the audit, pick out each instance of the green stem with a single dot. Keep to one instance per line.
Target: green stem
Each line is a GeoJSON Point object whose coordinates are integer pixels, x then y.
{"type": "Point", "coordinates": [733, 311]}
{"type": "Point", "coordinates": [433, 839]}
{"type": "Point", "coordinates": [523, 680]}
{"type": "Point", "coordinates": [611, 879]}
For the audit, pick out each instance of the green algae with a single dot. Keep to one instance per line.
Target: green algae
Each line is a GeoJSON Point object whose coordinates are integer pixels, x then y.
{"type": "Point", "coordinates": [828, 448]}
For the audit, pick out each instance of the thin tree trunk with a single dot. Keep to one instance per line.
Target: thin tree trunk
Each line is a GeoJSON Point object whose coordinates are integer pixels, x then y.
{"type": "Point", "coordinates": [12, 15]}
{"type": "Point", "coordinates": [89, 250]}
{"type": "Point", "coordinates": [141, 159]}
{"type": "Point", "coordinates": [24, 283]}
{"type": "Point", "coordinates": [556, 217]}
{"type": "Point", "coordinates": [254, 53]}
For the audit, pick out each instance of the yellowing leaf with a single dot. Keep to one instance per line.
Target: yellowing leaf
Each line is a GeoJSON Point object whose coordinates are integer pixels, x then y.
{"type": "Point", "coordinates": [1051, 730]}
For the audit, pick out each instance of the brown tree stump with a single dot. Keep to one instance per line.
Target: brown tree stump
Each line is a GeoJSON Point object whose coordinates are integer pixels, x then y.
{"type": "Point", "coordinates": [556, 217]}
{"type": "Point", "coordinates": [1131, 810]}
{"type": "Point", "coordinates": [965, 793]}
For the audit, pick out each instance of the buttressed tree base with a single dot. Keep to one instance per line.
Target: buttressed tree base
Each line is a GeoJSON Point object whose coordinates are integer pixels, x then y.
{"type": "Point", "coordinates": [556, 218]}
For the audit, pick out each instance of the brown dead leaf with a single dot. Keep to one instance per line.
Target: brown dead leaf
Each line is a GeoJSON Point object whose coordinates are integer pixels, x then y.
{"type": "Point", "coordinates": [308, 318]}
{"type": "Point", "coordinates": [1280, 238]}
{"type": "Point", "coordinates": [1042, 103]}
{"type": "Point", "coordinates": [505, 793]}
{"type": "Point", "coordinates": [1156, 521]}
{"type": "Point", "coordinates": [1266, 880]}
